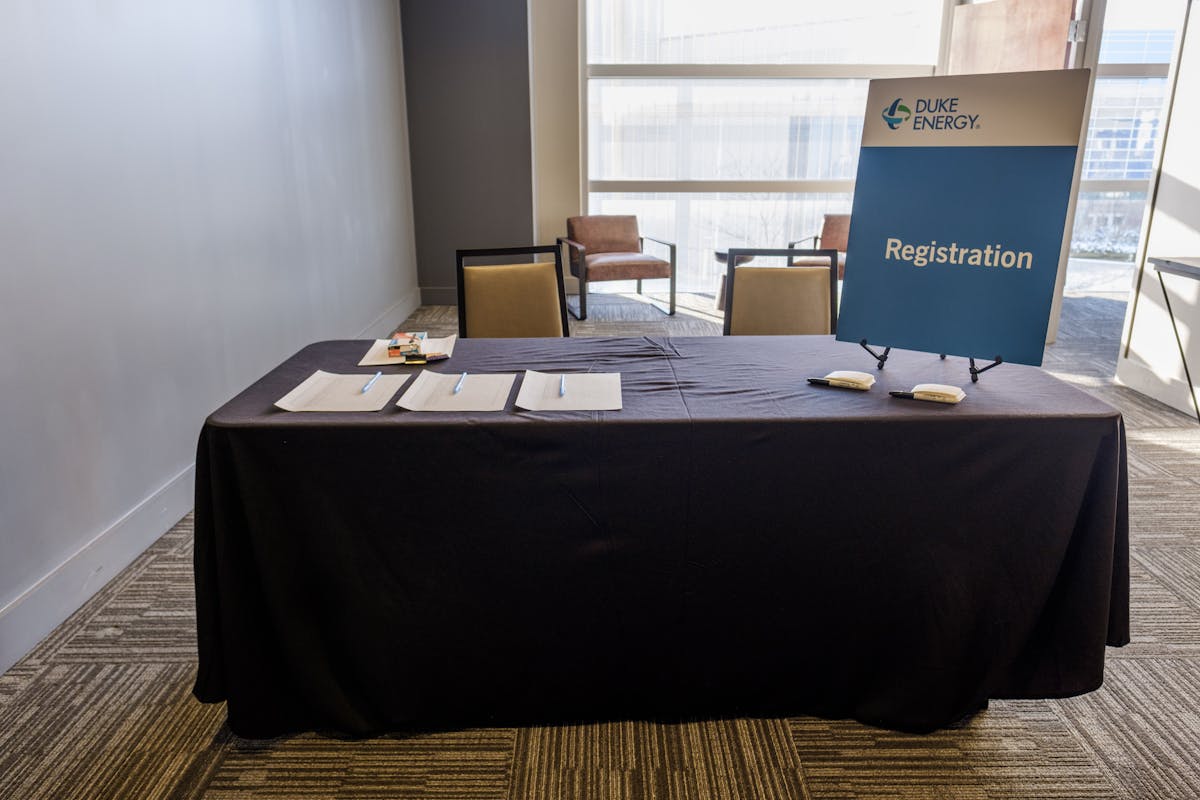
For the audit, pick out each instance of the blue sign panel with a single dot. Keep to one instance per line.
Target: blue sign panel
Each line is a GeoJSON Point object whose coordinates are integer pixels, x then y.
{"type": "Point", "coordinates": [955, 235]}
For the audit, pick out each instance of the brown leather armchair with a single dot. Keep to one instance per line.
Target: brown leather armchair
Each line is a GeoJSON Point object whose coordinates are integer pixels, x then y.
{"type": "Point", "coordinates": [608, 248]}
{"type": "Point", "coordinates": [835, 232]}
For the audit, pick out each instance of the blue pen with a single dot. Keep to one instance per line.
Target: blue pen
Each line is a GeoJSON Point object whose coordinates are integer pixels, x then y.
{"type": "Point", "coordinates": [371, 383]}
{"type": "Point", "coordinates": [458, 386]}
{"type": "Point", "coordinates": [562, 385]}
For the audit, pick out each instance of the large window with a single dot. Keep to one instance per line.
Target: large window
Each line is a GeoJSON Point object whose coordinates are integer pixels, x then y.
{"type": "Point", "coordinates": [727, 124]}
{"type": "Point", "coordinates": [738, 124]}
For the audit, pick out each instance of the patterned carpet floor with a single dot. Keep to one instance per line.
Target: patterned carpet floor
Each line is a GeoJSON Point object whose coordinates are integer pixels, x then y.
{"type": "Point", "coordinates": [102, 708]}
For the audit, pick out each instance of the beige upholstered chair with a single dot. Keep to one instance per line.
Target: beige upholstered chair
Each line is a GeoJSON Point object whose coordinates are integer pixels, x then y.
{"type": "Point", "coordinates": [511, 300]}
{"type": "Point", "coordinates": [609, 248]}
{"type": "Point", "coordinates": [783, 300]}
{"type": "Point", "coordinates": [835, 232]}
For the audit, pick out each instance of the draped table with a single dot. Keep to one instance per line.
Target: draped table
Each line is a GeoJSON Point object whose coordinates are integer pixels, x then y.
{"type": "Point", "coordinates": [734, 541]}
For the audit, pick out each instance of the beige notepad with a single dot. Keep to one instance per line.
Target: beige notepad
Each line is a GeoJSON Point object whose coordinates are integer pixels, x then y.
{"type": "Point", "coordinates": [570, 391]}
{"type": "Point", "coordinates": [325, 391]}
{"type": "Point", "coordinates": [377, 355]}
{"type": "Point", "coordinates": [850, 379]}
{"type": "Point", "coordinates": [434, 391]}
{"type": "Point", "coordinates": [938, 393]}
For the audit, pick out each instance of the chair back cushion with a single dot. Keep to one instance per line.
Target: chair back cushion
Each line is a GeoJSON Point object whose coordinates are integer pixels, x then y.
{"type": "Point", "coordinates": [835, 232]}
{"type": "Point", "coordinates": [776, 301]}
{"type": "Point", "coordinates": [512, 300]}
{"type": "Point", "coordinates": [605, 233]}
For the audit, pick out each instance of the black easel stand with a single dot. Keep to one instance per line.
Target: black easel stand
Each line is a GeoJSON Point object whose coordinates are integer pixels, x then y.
{"type": "Point", "coordinates": [975, 372]}
{"type": "Point", "coordinates": [881, 358]}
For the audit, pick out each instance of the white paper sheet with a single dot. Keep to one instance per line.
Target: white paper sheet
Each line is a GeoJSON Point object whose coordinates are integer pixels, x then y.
{"type": "Point", "coordinates": [582, 391]}
{"type": "Point", "coordinates": [377, 354]}
{"type": "Point", "coordinates": [434, 391]}
{"type": "Point", "coordinates": [325, 391]}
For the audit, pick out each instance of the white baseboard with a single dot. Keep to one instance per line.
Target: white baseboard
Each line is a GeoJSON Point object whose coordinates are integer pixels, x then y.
{"type": "Point", "coordinates": [47, 603]}
{"type": "Point", "coordinates": [399, 312]}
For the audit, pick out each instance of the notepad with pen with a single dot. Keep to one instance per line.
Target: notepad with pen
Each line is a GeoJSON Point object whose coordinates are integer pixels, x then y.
{"type": "Point", "coordinates": [326, 391]}
{"type": "Point", "coordinates": [846, 379]}
{"type": "Point", "coordinates": [465, 391]}
{"type": "Point", "coordinates": [591, 391]}
{"type": "Point", "coordinates": [933, 392]}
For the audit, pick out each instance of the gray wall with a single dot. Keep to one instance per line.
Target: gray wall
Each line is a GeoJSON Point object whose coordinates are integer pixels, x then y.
{"type": "Point", "coordinates": [189, 192]}
{"type": "Point", "coordinates": [467, 67]}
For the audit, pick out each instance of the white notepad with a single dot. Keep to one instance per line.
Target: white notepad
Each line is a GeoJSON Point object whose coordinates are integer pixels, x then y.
{"type": "Point", "coordinates": [851, 379]}
{"type": "Point", "coordinates": [325, 391]}
{"type": "Point", "coordinates": [938, 393]}
{"type": "Point", "coordinates": [377, 355]}
{"type": "Point", "coordinates": [434, 391]}
{"type": "Point", "coordinates": [571, 391]}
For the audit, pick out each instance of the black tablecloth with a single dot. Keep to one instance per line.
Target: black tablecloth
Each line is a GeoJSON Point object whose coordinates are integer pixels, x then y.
{"type": "Point", "coordinates": [734, 541]}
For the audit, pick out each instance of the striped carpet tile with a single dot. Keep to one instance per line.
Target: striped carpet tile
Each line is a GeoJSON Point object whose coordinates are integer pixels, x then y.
{"type": "Point", "coordinates": [736, 759]}
{"type": "Point", "coordinates": [1174, 451]}
{"type": "Point", "coordinates": [1177, 568]}
{"type": "Point", "coordinates": [14, 682]}
{"type": "Point", "coordinates": [1163, 512]}
{"type": "Point", "coordinates": [1143, 726]}
{"type": "Point", "coordinates": [462, 765]}
{"type": "Point", "coordinates": [1143, 470]}
{"type": "Point", "coordinates": [1016, 749]}
{"type": "Point", "coordinates": [1165, 623]}
{"type": "Point", "coordinates": [104, 731]}
{"type": "Point", "coordinates": [150, 620]}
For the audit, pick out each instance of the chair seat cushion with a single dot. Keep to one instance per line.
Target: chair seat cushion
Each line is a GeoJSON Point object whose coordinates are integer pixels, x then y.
{"type": "Point", "coordinates": [817, 261]}
{"type": "Point", "coordinates": [625, 266]}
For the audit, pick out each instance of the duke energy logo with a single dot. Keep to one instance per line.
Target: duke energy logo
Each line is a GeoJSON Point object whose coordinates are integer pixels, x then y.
{"type": "Point", "coordinates": [930, 114]}
{"type": "Point", "coordinates": [892, 114]}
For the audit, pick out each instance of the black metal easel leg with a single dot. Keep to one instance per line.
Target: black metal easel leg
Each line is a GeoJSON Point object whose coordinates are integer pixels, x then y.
{"type": "Point", "coordinates": [975, 371]}
{"type": "Point", "coordinates": [880, 358]}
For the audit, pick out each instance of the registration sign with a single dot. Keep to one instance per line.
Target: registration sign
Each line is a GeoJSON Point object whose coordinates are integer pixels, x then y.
{"type": "Point", "coordinates": [959, 210]}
